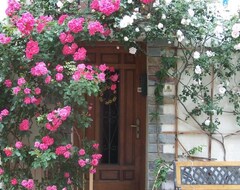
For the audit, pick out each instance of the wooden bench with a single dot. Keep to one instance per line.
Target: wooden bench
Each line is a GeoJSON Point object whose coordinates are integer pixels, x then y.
{"type": "Point", "coordinates": [207, 175]}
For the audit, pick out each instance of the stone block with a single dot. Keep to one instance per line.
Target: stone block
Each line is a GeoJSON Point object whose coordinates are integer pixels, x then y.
{"type": "Point", "coordinates": [168, 148]}
{"type": "Point", "coordinates": [167, 119]}
{"type": "Point", "coordinates": [166, 127]}
{"type": "Point", "coordinates": [167, 138]}
{"type": "Point", "coordinates": [168, 185]}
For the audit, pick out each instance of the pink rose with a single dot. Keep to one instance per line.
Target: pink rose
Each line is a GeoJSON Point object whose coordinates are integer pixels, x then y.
{"type": "Point", "coordinates": [81, 152]}
{"type": "Point", "coordinates": [21, 81]}
{"type": "Point", "coordinates": [59, 77]}
{"type": "Point", "coordinates": [37, 91]}
{"type": "Point", "coordinates": [18, 144]}
{"type": "Point", "coordinates": [4, 112]}
{"type": "Point", "coordinates": [81, 162]}
{"type": "Point", "coordinates": [8, 83]}
{"type": "Point", "coordinates": [24, 125]}
{"type": "Point", "coordinates": [14, 181]}
{"type": "Point", "coordinates": [16, 90]}
{"type": "Point", "coordinates": [59, 68]}
{"type": "Point", "coordinates": [27, 91]}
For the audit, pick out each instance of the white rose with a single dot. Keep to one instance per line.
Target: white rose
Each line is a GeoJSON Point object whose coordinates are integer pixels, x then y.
{"type": "Point", "coordinates": [235, 34]}
{"type": "Point", "coordinates": [218, 30]}
{"type": "Point", "coordinates": [156, 3]}
{"type": "Point", "coordinates": [236, 27]}
{"type": "Point", "coordinates": [148, 15]}
{"type": "Point", "coordinates": [198, 70]}
{"type": "Point", "coordinates": [207, 122]}
{"type": "Point", "coordinates": [196, 55]}
{"type": "Point", "coordinates": [125, 38]}
{"type": "Point", "coordinates": [179, 33]}
{"type": "Point", "coordinates": [168, 2]}
{"type": "Point", "coordinates": [210, 53]}
{"type": "Point", "coordinates": [221, 90]}
{"type": "Point", "coordinates": [132, 50]}
{"type": "Point", "coordinates": [237, 47]}
{"type": "Point", "coordinates": [160, 26]}
{"type": "Point", "coordinates": [59, 4]}
{"type": "Point", "coordinates": [129, 1]}
{"type": "Point", "coordinates": [70, 1]}
{"type": "Point", "coordinates": [164, 16]}
{"type": "Point", "coordinates": [125, 21]}
{"type": "Point", "coordinates": [137, 29]}
{"type": "Point", "coordinates": [190, 12]}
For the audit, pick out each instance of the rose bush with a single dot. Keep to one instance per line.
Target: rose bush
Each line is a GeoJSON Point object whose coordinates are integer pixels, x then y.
{"type": "Point", "coordinates": [45, 79]}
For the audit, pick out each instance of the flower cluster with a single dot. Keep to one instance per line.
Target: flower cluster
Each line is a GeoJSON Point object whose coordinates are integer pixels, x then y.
{"type": "Point", "coordinates": [4, 39]}
{"type": "Point", "coordinates": [26, 23]}
{"type": "Point", "coordinates": [64, 151]}
{"type": "Point", "coordinates": [56, 117]}
{"type": "Point", "coordinates": [39, 70]}
{"type": "Point", "coordinates": [32, 49]}
{"type": "Point", "coordinates": [45, 143]}
{"type": "Point", "coordinates": [13, 7]}
{"type": "Point", "coordinates": [106, 7]}
{"type": "Point", "coordinates": [3, 113]}
{"type": "Point", "coordinates": [28, 184]}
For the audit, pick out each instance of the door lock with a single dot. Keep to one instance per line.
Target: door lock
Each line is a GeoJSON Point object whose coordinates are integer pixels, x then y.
{"type": "Point", "coordinates": [137, 126]}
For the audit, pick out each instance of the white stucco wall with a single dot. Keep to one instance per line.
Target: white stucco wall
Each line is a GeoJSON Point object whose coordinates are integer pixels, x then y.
{"type": "Point", "coordinates": [3, 6]}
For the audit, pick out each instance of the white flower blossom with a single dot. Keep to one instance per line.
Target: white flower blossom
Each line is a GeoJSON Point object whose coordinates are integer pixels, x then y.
{"type": "Point", "coordinates": [126, 21]}
{"type": "Point", "coordinates": [196, 55]}
{"type": "Point", "coordinates": [148, 15]}
{"type": "Point", "coordinates": [147, 28]}
{"type": "Point", "coordinates": [190, 12]}
{"type": "Point", "coordinates": [137, 29]}
{"type": "Point", "coordinates": [185, 21]}
{"type": "Point", "coordinates": [160, 26]}
{"type": "Point", "coordinates": [70, 1]}
{"type": "Point", "coordinates": [59, 4]}
{"type": "Point", "coordinates": [156, 3]}
{"type": "Point", "coordinates": [218, 30]}
{"type": "Point", "coordinates": [235, 34]}
{"type": "Point", "coordinates": [237, 47]}
{"type": "Point", "coordinates": [130, 1]}
{"type": "Point", "coordinates": [125, 38]}
{"type": "Point", "coordinates": [207, 122]}
{"type": "Point", "coordinates": [132, 50]}
{"type": "Point", "coordinates": [164, 16]}
{"type": "Point", "coordinates": [180, 36]}
{"type": "Point", "coordinates": [221, 89]}
{"type": "Point", "coordinates": [198, 70]}
{"type": "Point", "coordinates": [168, 2]}
{"type": "Point", "coordinates": [236, 27]}
{"type": "Point", "coordinates": [210, 53]}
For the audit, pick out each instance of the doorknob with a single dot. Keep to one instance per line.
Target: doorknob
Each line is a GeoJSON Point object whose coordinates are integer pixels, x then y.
{"type": "Point", "coordinates": [137, 126]}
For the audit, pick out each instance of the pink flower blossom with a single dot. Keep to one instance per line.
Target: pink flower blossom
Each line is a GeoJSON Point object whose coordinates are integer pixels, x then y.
{"type": "Point", "coordinates": [81, 162]}
{"type": "Point", "coordinates": [14, 181]}
{"type": "Point", "coordinates": [146, 1]}
{"type": "Point", "coordinates": [59, 68]}
{"type": "Point", "coordinates": [43, 146]}
{"type": "Point", "coordinates": [81, 152]}
{"type": "Point", "coordinates": [39, 70]}
{"type": "Point", "coordinates": [27, 100]}
{"type": "Point", "coordinates": [103, 67]}
{"type": "Point", "coordinates": [28, 184]}
{"type": "Point", "coordinates": [114, 77]}
{"type": "Point", "coordinates": [66, 38]}
{"type": "Point", "coordinates": [94, 162]}
{"type": "Point", "coordinates": [13, 7]}
{"type": "Point", "coordinates": [92, 171]}
{"type": "Point", "coordinates": [16, 90]}
{"type": "Point", "coordinates": [67, 154]}
{"type": "Point", "coordinates": [18, 144]}
{"type": "Point", "coordinates": [24, 125]}
{"type": "Point", "coordinates": [4, 39]}
{"type": "Point", "coordinates": [80, 54]}
{"type": "Point", "coordinates": [48, 140]}
{"type": "Point", "coordinates": [27, 91]}
{"type": "Point", "coordinates": [94, 27]}
{"type": "Point", "coordinates": [48, 79]}
{"type": "Point", "coordinates": [89, 75]}
{"type": "Point", "coordinates": [113, 87]}
{"type": "Point", "coordinates": [69, 181]}
{"type": "Point", "coordinates": [8, 83]}
{"type": "Point", "coordinates": [32, 49]}
{"type": "Point", "coordinates": [4, 112]}
{"type": "Point", "coordinates": [95, 146]}
{"type": "Point", "coordinates": [60, 150]}
{"type": "Point", "coordinates": [36, 144]}
{"type": "Point", "coordinates": [68, 146]}
{"type": "Point", "coordinates": [66, 175]}
{"type": "Point", "coordinates": [26, 23]}
{"type": "Point", "coordinates": [96, 156]}
{"type": "Point", "coordinates": [54, 187]}
{"type": "Point", "coordinates": [59, 77]}
{"type": "Point", "coordinates": [106, 7]}
{"type": "Point", "coordinates": [1, 171]}
{"type": "Point", "coordinates": [62, 19]}
{"type": "Point", "coordinates": [81, 67]}
{"type": "Point", "coordinates": [8, 151]}
{"type": "Point", "coordinates": [42, 22]}
{"type": "Point", "coordinates": [68, 50]}
{"type": "Point", "coordinates": [64, 112]}
{"type": "Point", "coordinates": [21, 81]}
{"type": "Point", "coordinates": [101, 77]}
{"type": "Point", "coordinates": [76, 25]}
{"type": "Point", "coordinates": [37, 91]}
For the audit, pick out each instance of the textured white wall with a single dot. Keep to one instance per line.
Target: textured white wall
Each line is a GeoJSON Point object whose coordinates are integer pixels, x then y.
{"type": "Point", "coordinates": [3, 6]}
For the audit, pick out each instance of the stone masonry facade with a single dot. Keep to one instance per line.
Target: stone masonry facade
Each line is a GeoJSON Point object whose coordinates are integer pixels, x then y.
{"type": "Point", "coordinates": [159, 144]}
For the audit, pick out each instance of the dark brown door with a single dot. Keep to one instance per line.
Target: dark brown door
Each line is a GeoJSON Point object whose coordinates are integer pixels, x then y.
{"type": "Point", "coordinates": [120, 127]}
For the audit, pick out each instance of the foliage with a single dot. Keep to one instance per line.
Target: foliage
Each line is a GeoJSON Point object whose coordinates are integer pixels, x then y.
{"type": "Point", "coordinates": [45, 83]}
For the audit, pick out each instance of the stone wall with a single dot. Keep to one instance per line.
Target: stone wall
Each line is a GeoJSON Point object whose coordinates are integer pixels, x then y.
{"type": "Point", "coordinates": [159, 144]}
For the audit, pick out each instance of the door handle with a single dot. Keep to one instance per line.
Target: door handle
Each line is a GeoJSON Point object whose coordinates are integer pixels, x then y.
{"type": "Point", "coordinates": [137, 126]}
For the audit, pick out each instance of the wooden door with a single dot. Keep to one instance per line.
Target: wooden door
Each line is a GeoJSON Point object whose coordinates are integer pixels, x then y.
{"type": "Point", "coordinates": [120, 128]}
